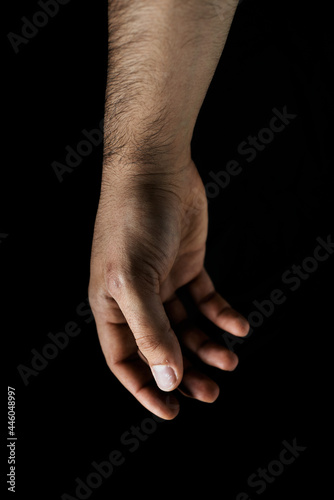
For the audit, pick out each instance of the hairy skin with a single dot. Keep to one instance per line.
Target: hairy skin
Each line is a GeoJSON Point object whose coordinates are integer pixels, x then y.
{"type": "Point", "coordinates": [152, 220]}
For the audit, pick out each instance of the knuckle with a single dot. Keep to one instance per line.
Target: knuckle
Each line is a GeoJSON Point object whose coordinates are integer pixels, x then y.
{"type": "Point", "coordinates": [110, 360]}
{"type": "Point", "coordinates": [148, 343]}
{"type": "Point", "coordinates": [116, 280]}
{"type": "Point", "coordinates": [128, 279]}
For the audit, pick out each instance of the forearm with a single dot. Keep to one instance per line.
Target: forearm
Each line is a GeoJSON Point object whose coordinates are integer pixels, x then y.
{"type": "Point", "coordinates": [162, 56]}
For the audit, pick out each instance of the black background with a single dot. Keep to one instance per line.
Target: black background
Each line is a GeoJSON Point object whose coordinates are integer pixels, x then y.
{"type": "Point", "coordinates": [74, 411]}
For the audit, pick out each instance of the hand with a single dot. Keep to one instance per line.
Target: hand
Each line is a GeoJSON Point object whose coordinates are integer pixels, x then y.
{"type": "Point", "coordinates": [149, 240]}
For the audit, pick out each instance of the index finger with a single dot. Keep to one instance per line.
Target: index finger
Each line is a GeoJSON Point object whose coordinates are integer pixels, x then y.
{"type": "Point", "coordinates": [212, 305]}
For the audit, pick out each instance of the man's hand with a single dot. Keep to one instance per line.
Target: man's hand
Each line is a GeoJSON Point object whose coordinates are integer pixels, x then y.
{"type": "Point", "coordinates": [151, 224]}
{"type": "Point", "coordinates": [149, 241]}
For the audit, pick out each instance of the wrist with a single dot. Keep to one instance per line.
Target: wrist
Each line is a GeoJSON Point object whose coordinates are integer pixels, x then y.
{"type": "Point", "coordinates": [150, 148]}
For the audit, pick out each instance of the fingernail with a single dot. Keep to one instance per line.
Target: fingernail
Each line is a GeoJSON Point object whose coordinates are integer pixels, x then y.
{"type": "Point", "coordinates": [164, 376]}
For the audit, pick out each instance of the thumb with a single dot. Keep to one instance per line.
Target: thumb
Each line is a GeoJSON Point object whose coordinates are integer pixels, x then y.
{"type": "Point", "coordinates": [156, 341]}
